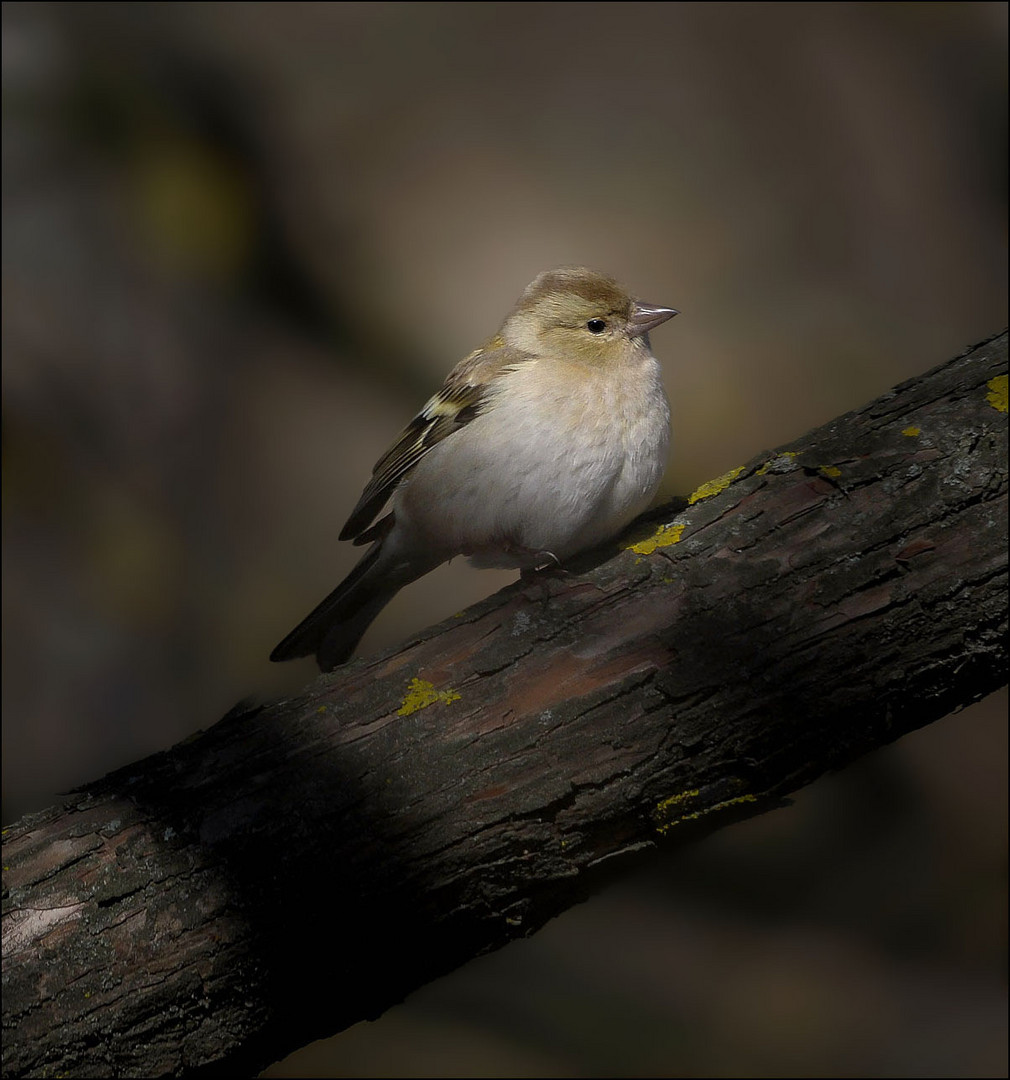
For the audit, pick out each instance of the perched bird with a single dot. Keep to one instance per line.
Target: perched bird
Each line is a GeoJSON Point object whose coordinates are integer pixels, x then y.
{"type": "Point", "coordinates": [544, 442]}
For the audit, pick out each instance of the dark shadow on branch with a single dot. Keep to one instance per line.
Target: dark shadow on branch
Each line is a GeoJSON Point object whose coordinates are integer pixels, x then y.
{"type": "Point", "coordinates": [304, 865]}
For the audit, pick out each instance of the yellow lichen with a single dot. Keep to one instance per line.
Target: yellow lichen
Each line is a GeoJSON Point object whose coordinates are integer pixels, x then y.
{"type": "Point", "coordinates": [778, 459]}
{"type": "Point", "coordinates": [831, 470]}
{"type": "Point", "coordinates": [421, 694]}
{"type": "Point", "coordinates": [665, 536]}
{"type": "Point", "coordinates": [669, 811]}
{"type": "Point", "coordinates": [663, 810]}
{"type": "Point", "coordinates": [997, 396]}
{"type": "Point", "coordinates": [911, 432]}
{"type": "Point", "coordinates": [714, 487]}
{"type": "Point", "coordinates": [675, 800]}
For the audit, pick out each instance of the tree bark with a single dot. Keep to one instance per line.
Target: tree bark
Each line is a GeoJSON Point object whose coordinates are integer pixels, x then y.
{"type": "Point", "coordinates": [304, 865]}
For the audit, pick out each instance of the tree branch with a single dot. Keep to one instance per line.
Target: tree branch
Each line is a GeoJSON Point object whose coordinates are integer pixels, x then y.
{"type": "Point", "coordinates": [303, 866]}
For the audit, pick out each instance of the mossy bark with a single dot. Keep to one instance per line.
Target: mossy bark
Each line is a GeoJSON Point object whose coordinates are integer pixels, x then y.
{"type": "Point", "coordinates": [302, 866]}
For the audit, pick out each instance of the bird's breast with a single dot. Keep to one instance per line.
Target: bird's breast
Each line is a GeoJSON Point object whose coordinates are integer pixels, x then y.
{"type": "Point", "coordinates": [555, 463]}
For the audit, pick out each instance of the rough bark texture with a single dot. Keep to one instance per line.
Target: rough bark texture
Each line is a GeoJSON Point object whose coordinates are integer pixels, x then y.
{"type": "Point", "coordinates": [302, 866]}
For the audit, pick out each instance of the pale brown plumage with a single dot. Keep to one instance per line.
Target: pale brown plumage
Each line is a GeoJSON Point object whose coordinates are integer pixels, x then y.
{"type": "Point", "coordinates": [457, 403]}
{"type": "Point", "coordinates": [546, 440]}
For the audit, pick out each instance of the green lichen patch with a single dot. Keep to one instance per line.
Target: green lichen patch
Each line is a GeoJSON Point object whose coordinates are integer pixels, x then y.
{"type": "Point", "coordinates": [784, 462]}
{"type": "Point", "coordinates": [664, 536]}
{"type": "Point", "coordinates": [997, 396]}
{"type": "Point", "coordinates": [714, 487]}
{"type": "Point", "coordinates": [420, 694]}
{"type": "Point", "coordinates": [677, 809]}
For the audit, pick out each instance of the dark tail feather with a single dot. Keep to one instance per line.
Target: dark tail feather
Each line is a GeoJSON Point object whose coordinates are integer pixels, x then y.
{"type": "Point", "coordinates": [334, 628]}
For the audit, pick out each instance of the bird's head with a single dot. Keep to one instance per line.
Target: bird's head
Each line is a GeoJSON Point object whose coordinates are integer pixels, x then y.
{"type": "Point", "coordinates": [581, 315]}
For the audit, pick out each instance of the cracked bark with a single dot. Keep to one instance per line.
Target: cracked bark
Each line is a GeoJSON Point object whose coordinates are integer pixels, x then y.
{"type": "Point", "coordinates": [304, 865]}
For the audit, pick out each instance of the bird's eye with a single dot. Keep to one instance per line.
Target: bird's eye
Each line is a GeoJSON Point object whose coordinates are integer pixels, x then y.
{"type": "Point", "coordinates": [596, 326]}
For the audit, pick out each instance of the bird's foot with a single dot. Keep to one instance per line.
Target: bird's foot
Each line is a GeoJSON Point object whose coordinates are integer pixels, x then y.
{"type": "Point", "coordinates": [545, 562]}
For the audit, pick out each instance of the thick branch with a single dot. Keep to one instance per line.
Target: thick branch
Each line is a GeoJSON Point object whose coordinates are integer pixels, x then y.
{"type": "Point", "coordinates": [303, 866]}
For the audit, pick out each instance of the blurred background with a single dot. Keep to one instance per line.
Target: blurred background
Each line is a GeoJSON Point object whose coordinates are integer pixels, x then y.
{"type": "Point", "coordinates": [243, 243]}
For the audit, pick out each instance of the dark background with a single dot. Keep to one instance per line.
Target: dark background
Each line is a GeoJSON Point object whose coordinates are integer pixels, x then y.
{"type": "Point", "coordinates": [243, 243]}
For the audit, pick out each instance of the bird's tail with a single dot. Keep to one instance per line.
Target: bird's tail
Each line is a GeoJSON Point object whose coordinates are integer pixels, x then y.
{"type": "Point", "coordinates": [334, 628]}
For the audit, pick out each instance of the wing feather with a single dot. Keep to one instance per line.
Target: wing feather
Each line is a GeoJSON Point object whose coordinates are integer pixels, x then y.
{"type": "Point", "coordinates": [464, 396]}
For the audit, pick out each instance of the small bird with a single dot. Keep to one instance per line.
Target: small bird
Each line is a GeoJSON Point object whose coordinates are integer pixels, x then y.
{"type": "Point", "coordinates": [542, 443]}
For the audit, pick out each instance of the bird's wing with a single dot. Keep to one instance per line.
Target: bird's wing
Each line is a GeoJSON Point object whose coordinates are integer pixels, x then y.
{"type": "Point", "coordinates": [464, 396]}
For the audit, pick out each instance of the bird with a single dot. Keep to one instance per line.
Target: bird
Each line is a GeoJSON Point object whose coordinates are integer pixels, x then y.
{"type": "Point", "coordinates": [543, 443]}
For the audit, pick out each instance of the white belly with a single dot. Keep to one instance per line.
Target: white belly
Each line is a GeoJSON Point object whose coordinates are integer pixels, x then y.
{"type": "Point", "coordinates": [541, 471]}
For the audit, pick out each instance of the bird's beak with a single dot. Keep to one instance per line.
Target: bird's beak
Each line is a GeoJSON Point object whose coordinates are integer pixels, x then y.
{"type": "Point", "coordinates": [645, 316]}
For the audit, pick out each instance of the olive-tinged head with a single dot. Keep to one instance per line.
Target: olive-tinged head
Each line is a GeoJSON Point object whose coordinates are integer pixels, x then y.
{"type": "Point", "coordinates": [580, 314]}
